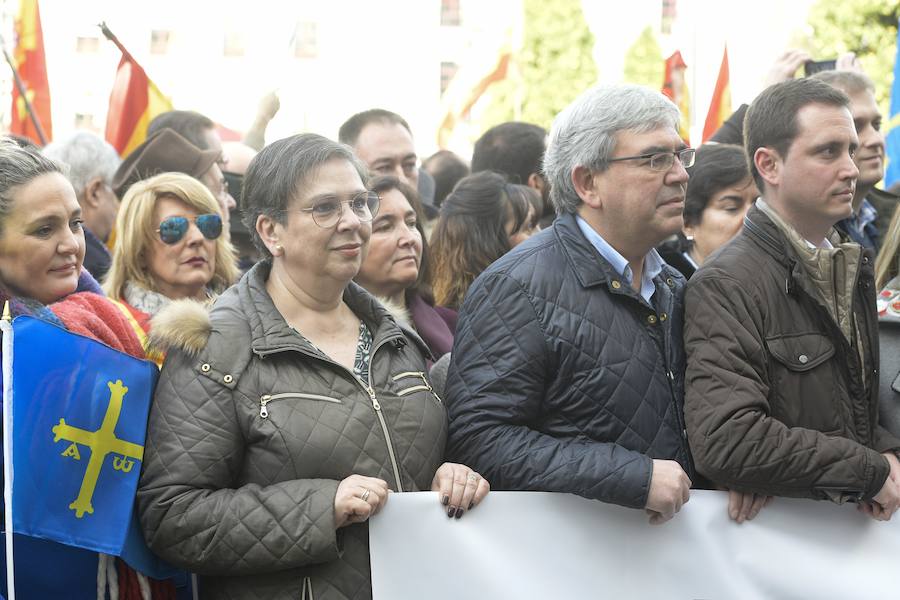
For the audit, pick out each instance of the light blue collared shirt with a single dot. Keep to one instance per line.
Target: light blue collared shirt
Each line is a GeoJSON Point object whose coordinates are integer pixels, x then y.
{"type": "Point", "coordinates": [653, 262]}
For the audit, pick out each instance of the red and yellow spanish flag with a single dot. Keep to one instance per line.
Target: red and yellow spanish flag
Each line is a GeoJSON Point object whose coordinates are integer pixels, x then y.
{"type": "Point", "coordinates": [720, 105]}
{"type": "Point", "coordinates": [31, 66]}
{"type": "Point", "coordinates": [675, 87]}
{"type": "Point", "coordinates": [133, 103]}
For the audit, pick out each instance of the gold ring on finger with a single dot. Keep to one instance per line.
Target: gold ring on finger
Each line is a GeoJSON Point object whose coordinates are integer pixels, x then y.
{"type": "Point", "coordinates": [365, 495]}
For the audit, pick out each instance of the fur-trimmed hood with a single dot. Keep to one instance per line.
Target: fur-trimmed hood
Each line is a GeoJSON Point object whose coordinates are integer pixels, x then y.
{"type": "Point", "coordinates": [183, 324]}
{"type": "Point", "coordinates": [186, 325]}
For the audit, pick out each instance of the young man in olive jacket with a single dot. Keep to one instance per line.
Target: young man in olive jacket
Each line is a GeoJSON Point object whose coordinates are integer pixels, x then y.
{"type": "Point", "coordinates": [781, 329]}
{"type": "Point", "coordinates": [567, 368]}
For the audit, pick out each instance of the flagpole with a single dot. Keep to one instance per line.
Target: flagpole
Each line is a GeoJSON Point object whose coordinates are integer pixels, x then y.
{"type": "Point", "coordinates": [111, 37]}
{"type": "Point", "coordinates": [24, 96]}
{"type": "Point", "coordinates": [7, 331]}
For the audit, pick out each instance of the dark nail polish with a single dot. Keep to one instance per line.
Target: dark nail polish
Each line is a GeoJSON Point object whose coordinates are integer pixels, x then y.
{"type": "Point", "coordinates": [471, 505]}
{"type": "Point", "coordinates": [445, 500]}
{"type": "Point", "coordinates": [459, 512]}
{"type": "Point", "coordinates": [451, 511]}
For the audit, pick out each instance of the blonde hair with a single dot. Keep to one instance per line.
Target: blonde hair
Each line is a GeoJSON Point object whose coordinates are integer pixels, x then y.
{"type": "Point", "coordinates": [887, 265]}
{"type": "Point", "coordinates": [136, 232]}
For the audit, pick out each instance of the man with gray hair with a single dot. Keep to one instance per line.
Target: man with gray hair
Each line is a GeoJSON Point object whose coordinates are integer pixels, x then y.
{"type": "Point", "coordinates": [567, 369]}
{"type": "Point", "coordinates": [92, 163]}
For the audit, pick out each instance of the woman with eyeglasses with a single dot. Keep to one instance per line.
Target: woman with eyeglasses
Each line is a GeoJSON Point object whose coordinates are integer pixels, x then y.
{"type": "Point", "coordinates": [169, 247]}
{"type": "Point", "coordinates": [285, 416]}
{"type": "Point", "coordinates": [42, 249]}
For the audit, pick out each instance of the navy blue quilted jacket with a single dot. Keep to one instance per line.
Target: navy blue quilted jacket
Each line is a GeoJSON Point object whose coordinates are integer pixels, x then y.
{"type": "Point", "coordinates": [563, 378]}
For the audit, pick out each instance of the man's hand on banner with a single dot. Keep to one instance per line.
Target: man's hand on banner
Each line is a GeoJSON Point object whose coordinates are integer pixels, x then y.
{"type": "Point", "coordinates": [670, 488]}
{"type": "Point", "coordinates": [744, 506]}
{"type": "Point", "coordinates": [459, 488]}
{"type": "Point", "coordinates": [358, 497]}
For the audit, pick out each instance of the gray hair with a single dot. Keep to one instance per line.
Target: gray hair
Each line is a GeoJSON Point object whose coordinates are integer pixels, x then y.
{"type": "Point", "coordinates": [18, 166]}
{"type": "Point", "coordinates": [584, 133]}
{"type": "Point", "coordinates": [88, 156]}
{"type": "Point", "coordinates": [278, 173]}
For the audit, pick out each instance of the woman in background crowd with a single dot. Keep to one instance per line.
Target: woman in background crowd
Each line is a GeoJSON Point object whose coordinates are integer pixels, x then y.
{"type": "Point", "coordinates": [396, 268]}
{"type": "Point", "coordinates": [719, 194]}
{"type": "Point", "coordinates": [169, 247]}
{"type": "Point", "coordinates": [482, 219]}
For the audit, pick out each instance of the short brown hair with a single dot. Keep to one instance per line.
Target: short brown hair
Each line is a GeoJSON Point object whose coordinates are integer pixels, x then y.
{"type": "Point", "coordinates": [771, 120]}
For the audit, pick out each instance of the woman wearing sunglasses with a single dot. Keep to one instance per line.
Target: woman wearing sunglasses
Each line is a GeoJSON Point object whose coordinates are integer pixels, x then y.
{"type": "Point", "coordinates": [284, 417]}
{"type": "Point", "coordinates": [169, 247]}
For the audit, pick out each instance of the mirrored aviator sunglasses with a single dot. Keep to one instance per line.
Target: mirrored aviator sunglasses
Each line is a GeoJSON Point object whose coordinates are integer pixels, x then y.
{"type": "Point", "coordinates": [173, 229]}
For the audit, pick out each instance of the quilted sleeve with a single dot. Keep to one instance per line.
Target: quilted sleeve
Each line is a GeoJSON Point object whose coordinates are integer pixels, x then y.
{"type": "Point", "coordinates": [495, 391]}
{"type": "Point", "coordinates": [734, 439]}
{"type": "Point", "coordinates": [193, 512]}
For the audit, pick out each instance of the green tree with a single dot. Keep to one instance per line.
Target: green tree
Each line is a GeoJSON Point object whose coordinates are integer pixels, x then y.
{"type": "Point", "coordinates": [554, 66]}
{"type": "Point", "coordinates": [644, 62]}
{"type": "Point", "coordinates": [866, 27]}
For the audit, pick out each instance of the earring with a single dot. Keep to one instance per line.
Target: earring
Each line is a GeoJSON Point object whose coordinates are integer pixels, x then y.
{"type": "Point", "coordinates": [279, 248]}
{"type": "Point", "coordinates": [689, 238]}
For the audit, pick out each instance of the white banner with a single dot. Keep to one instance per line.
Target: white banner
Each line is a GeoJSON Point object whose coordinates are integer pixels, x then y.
{"type": "Point", "coordinates": [523, 545]}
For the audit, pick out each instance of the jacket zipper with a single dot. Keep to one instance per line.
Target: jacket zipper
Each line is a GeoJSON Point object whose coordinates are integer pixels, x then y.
{"type": "Point", "coordinates": [366, 388]}
{"type": "Point", "coordinates": [306, 592]}
{"type": "Point", "coordinates": [266, 398]}
{"type": "Point", "coordinates": [426, 385]}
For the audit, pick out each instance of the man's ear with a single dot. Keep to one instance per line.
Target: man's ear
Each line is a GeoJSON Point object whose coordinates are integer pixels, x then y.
{"type": "Point", "coordinates": [536, 181]}
{"type": "Point", "coordinates": [768, 162]}
{"type": "Point", "coordinates": [585, 184]}
{"type": "Point", "coordinates": [267, 228]}
{"type": "Point", "coordinates": [92, 197]}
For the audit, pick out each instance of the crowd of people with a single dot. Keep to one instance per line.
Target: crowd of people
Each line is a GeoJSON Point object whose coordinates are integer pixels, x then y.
{"type": "Point", "coordinates": [598, 309]}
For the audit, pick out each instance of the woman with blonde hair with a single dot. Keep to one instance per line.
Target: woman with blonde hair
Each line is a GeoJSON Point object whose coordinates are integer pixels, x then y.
{"type": "Point", "coordinates": [169, 247]}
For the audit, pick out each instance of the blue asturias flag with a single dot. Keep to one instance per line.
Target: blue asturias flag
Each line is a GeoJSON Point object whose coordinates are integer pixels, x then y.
{"type": "Point", "coordinates": [79, 416]}
{"type": "Point", "coordinates": [892, 131]}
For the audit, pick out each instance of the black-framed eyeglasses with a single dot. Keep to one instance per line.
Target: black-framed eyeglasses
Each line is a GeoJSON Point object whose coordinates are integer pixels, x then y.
{"type": "Point", "coordinates": [173, 229]}
{"type": "Point", "coordinates": [663, 161]}
{"type": "Point", "coordinates": [326, 211]}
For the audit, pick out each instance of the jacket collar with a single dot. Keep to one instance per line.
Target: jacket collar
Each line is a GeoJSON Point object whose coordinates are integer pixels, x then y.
{"type": "Point", "coordinates": [590, 267]}
{"type": "Point", "coordinates": [270, 333]}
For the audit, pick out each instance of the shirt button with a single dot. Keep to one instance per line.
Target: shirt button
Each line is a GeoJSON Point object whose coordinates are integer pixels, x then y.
{"type": "Point", "coordinates": [670, 282]}
{"type": "Point", "coordinates": [205, 367]}
{"type": "Point", "coordinates": [803, 359]}
{"type": "Point", "coordinates": [616, 285]}
{"type": "Point", "coordinates": [651, 319]}
{"type": "Point", "coordinates": [663, 317]}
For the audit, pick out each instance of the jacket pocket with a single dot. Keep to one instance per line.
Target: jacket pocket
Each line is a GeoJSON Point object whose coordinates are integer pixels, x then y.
{"type": "Point", "coordinates": [419, 382]}
{"type": "Point", "coordinates": [265, 399]}
{"type": "Point", "coordinates": [801, 352]}
{"type": "Point", "coordinates": [802, 383]}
